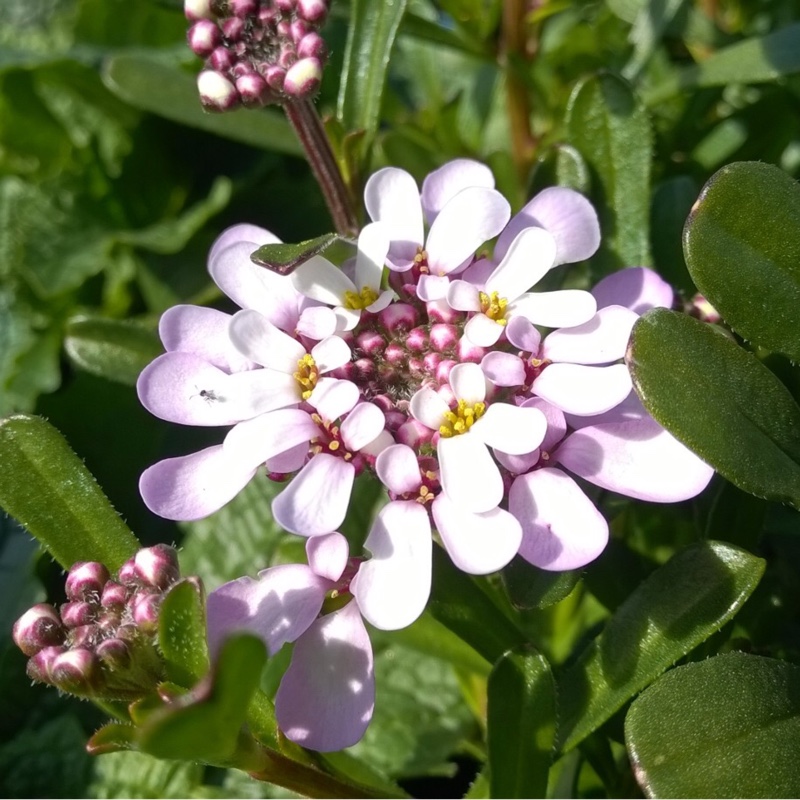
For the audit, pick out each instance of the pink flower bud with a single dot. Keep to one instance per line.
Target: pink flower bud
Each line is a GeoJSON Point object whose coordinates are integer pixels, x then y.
{"type": "Point", "coordinates": [312, 10]}
{"type": "Point", "coordinates": [398, 317]}
{"type": "Point", "coordinates": [303, 78]}
{"type": "Point", "coordinates": [78, 613]}
{"type": "Point", "coordinates": [443, 370]}
{"type": "Point", "coordinates": [127, 573]}
{"type": "Point", "coordinates": [444, 337]}
{"type": "Point", "coordinates": [203, 37]}
{"type": "Point", "coordinates": [275, 76]}
{"type": "Point", "coordinates": [268, 17]}
{"type": "Point", "coordinates": [287, 57]}
{"type": "Point", "coordinates": [312, 45]}
{"type": "Point", "coordinates": [253, 90]}
{"type": "Point", "coordinates": [370, 342]}
{"type": "Point", "coordinates": [440, 311]}
{"type": "Point", "coordinates": [416, 368]}
{"type": "Point", "coordinates": [157, 566]}
{"type": "Point", "coordinates": [40, 667]}
{"type": "Point", "coordinates": [417, 339]}
{"type": "Point", "coordinates": [114, 653]}
{"type": "Point", "coordinates": [242, 8]}
{"type": "Point", "coordinates": [197, 10]}
{"type": "Point", "coordinates": [84, 635]}
{"type": "Point", "coordinates": [394, 353]}
{"type": "Point", "coordinates": [297, 30]}
{"type": "Point", "coordinates": [432, 361]}
{"type": "Point", "coordinates": [284, 29]}
{"type": "Point", "coordinates": [221, 60]}
{"type": "Point", "coordinates": [217, 93]}
{"type": "Point", "coordinates": [365, 368]}
{"type": "Point", "coordinates": [413, 433]}
{"type": "Point", "coordinates": [145, 611]}
{"type": "Point", "coordinates": [114, 595]}
{"type": "Point", "coordinates": [233, 29]}
{"type": "Point", "coordinates": [86, 579]}
{"type": "Point", "coordinates": [75, 670]}
{"type": "Point", "coordinates": [37, 628]}
{"type": "Point", "coordinates": [467, 351]}
{"type": "Point", "coordinates": [286, 6]}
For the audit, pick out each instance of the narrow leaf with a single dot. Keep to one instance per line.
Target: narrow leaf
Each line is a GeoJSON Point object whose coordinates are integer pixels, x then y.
{"type": "Point", "coordinates": [373, 27]}
{"type": "Point", "coordinates": [182, 633]}
{"type": "Point", "coordinates": [521, 722]}
{"type": "Point", "coordinates": [285, 258]}
{"type": "Point", "coordinates": [725, 727]}
{"type": "Point", "coordinates": [531, 587]}
{"type": "Point", "coordinates": [112, 738]}
{"type": "Point", "coordinates": [720, 401]}
{"type": "Point", "coordinates": [46, 487]}
{"type": "Point", "coordinates": [742, 246]}
{"type": "Point", "coordinates": [679, 606]}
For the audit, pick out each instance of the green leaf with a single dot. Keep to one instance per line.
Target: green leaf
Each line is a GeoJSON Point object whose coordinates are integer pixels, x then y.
{"type": "Point", "coordinates": [530, 587]}
{"type": "Point", "coordinates": [114, 349]}
{"type": "Point", "coordinates": [754, 60]}
{"type": "Point", "coordinates": [46, 487]}
{"type": "Point", "coordinates": [725, 727]}
{"type": "Point", "coordinates": [720, 401]}
{"type": "Point", "coordinates": [611, 130]}
{"type": "Point", "coordinates": [170, 92]}
{"type": "Point", "coordinates": [182, 632]}
{"type": "Point", "coordinates": [285, 258]}
{"type": "Point", "coordinates": [204, 724]}
{"type": "Point", "coordinates": [373, 27]}
{"type": "Point", "coordinates": [112, 738]}
{"type": "Point", "coordinates": [521, 722]}
{"type": "Point", "coordinates": [459, 604]}
{"type": "Point", "coordinates": [679, 606]}
{"type": "Point", "coordinates": [132, 774]}
{"type": "Point", "coordinates": [742, 246]}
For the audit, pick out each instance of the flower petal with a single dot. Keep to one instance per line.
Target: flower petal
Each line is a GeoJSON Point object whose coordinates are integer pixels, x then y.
{"type": "Point", "coordinates": [316, 499]}
{"type": "Point", "coordinates": [482, 331]}
{"type": "Point", "coordinates": [528, 259]}
{"type": "Point", "coordinates": [258, 339]}
{"type": "Point", "coordinates": [604, 338]}
{"type": "Point", "coordinates": [327, 555]}
{"type": "Point", "coordinates": [561, 309]}
{"type": "Point", "coordinates": [327, 695]}
{"type": "Point", "coordinates": [432, 287]}
{"type": "Point", "coordinates": [333, 397]}
{"type": "Point", "coordinates": [331, 353]}
{"type": "Point", "coordinates": [636, 288]}
{"type": "Point", "coordinates": [194, 486]}
{"type": "Point", "coordinates": [523, 335]}
{"type": "Point", "coordinates": [561, 528]}
{"type": "Point", "coordinates": [320, 280]}
{"type": "Point", "coordinates": [254, 441]}
{"type": "Point", "coordinates": [362, 426]}
{"type": "Point", "coordinates": [468, 382]}
{"type": "Point", "coordinates": [463, 296]}
{"type": "Point", "coordinates": [636, 458]}
{"type": "Point", "coordinates": [316, 322]}
{"type": "Point", "coordinates": [373, 246]}
{"type": "Point", "coordinates": [512, 429]}
{"type": "Point", "coordinates": [477, 543]}
{"type": "Point", "coordinates": [441, 185]}
{"type": "Point", "coordinates": [392, 587]}
{"type": "Point", "coordinates": [469, 476]}
{"type": "Point", "coordinates": [503, 369]}
{"type": "Point", "coordinates": [243, 232]}
{"type": "Point", "coordinates": [278, 607]}
{"type": "Point", "coordinates": [398, 469]}
{"type": "Point", "coordinates": [584, 391]}
{"type": "Point", "coordinates": [429, 408]}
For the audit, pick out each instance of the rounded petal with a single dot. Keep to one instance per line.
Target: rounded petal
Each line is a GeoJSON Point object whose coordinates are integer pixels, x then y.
{"type": "Point", "coordinates": [471, 218]}
{"type": "Point", "coordinates": [463, 296]}
{"type": "Point", "coordinates": [583, 391]}
{"type": "Point", "coordinates": [556, 422]}
{"type": "Point", "coordinates": [333, 397]}
{"type": "Point", "coordinates": [432, 287]}
{"type": "Point", "coordinates": [636, 288]}
{"type": "Point", "coordinates": [522, 334]}
{"type": "Point", "coordinates": [392, 587]}
{"type": "Point", "coordinates": [327, 695]}
{"type": "Point", "coordinates": [568, 216]}
{"type": "Point", "coordinates": [373, 247]}
{"type": "Point", "coordinates": [512, 429]}
{"type": "Point", "coordinates": [561, 309]}
{"type": "Point", "coordinates": [637, 458]}
{"type": "Point", "coordinates": [503, 369]}
{"type": "Point", "coordinates": [429, 408]}
{"type": "Point", "coordinates": [362, 426]}
{"type": "Point", "coordinates": [469, 476]}
{"type": "Point", "coordinates": [477, 543]}
{"type": "Point", "coordinates": [528, 259]}
{"type": "Point", "coordinates": [482, 331]}
{"type": "Point", "coordinates": [331, 353]}
{"type": "Point", "coordinates": [320, 280]}
{"type": "Point", "coordinates": [259, 340]}
{"type": "Point", "coordinates": [604, 338]}
{"type": "Point", "coordinates": [243, 232]}
{"type": "Point", "coordinates": [630, 408]}
{"type": "Point", "coordinates": [278, 607]}
{"type": "Point", "coordinates": [561, 528]}
{"type": "Point", "coordinates": [327, 555]}
{"type": "Point", "coordinates": [255, 441]}
{"type": "Point", "coordinates": [441, 185]}
{"type": "Point", "coordinates": [204, 332]}
{"type": "Point", "coordinates": [316, 499]}
{"type": "Point", "coordinates": [468, 382]}
{"type": "Point", "coordinates": [316, 322]}
{"type": "Point", "coordinates": [194, 486]}
{"type": "Point", "coordinates": [261, 390]}
{"type": "Point", "coordinates": [398, 469]}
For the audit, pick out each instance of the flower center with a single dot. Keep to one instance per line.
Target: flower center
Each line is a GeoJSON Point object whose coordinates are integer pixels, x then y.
{"type": "Point", "coordinates": [358, 300]}
{"type": "Point", "coordinates": [494, 307]}
{"type": "Point", "coordinates": [421, 261]}
{"type": "Point", "coordinates": [306, 375]}
{"type": "Point", "coordinates": [330, 440]}
{"type": "Point", "coordinates": [462, 419]}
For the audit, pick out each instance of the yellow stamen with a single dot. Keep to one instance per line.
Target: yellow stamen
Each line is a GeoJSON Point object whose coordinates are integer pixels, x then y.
{"type": "Point", "coordinates": [333, 446]}
{"type": "Point", "coordinates": [306, 376]}
{"type": "Point", "coordinates": [462, 419]}
{"type": "Point", "coordinates": [357, 300]}
{"type": "Point", "coordinates": [494, 307]}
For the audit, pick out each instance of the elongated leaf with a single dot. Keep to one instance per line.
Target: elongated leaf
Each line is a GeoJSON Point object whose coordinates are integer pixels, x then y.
{"type": "Point", "coordinates": [285, 258]}
{"type": "Point", "coordinates": [46, 487]}
{"type": "Point", "coordinates": [113, 349]}
{"type": "Point", "coordinates": [170, 92]}
{"type": "Point", "coordinates": [531, 587]}
{"type": "Point", "coordinates": [521, 721]}
{"type": "Point", "coordinates": [719, 400]}
{"type": "Point", "coordinates": [611, 130]}
{"type": "Point", "coordinates": [742, 245]}
{"type": "Point", "coordinates": [725, 727]}
{"type": "Point", "coordinates": [373, 27]}
{"type": "Point", "coordinates": [680, 605]}
{"type": "Point", "coordinates": [458, 603]}
{"type": "Point", "coordinates": [182, 633]}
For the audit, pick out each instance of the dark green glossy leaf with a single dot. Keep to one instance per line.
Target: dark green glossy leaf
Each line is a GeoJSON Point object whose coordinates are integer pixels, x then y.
{"type": "Point", "coordinates": [531, 587]}
{"type": "Point", "coordinates": [46, 487]}
{"type": "Point", "coordinates": [373, 27]}
{"type": "Point", "coordinates": [182, 632]}
{"type": "Point", "coordinates": [521, 721]}
{"type": "Point", "coordinates": [725, 727]}
{"type": "Point", "coordinates": [113, 349]}
{"type": "Point", "coordinates": [205, 723]}
{"type": "Point", "coordinates": [285, 258]}
{"type": "Point", "coordinates": [679, 606]}
{"type": "Point", "coordinates": [720, 401]}
{"type": "Point", "coordinates": [611, 130]}
{"type": "Point", "coordinates": [742, 246]}
{"type": "Point", "coordinates": [458, 603]}
{"type": "Point", "coordinates": [170, 92]}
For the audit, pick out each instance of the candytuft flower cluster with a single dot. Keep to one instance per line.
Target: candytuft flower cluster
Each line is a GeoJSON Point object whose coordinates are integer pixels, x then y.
{"type": "Point", "coordinates": [430, 360]}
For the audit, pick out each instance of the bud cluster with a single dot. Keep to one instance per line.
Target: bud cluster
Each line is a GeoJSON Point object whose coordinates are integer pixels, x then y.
{"type": "Point", "coordinates": [101, 642]}
{"type": "Point", "coordinates": [257, 51]}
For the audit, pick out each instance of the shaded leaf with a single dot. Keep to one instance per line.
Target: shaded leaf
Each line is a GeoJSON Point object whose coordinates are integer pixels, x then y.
{"type": "Point", "coordinates": [285, 258]}
{"type": "Point", "coordinates": [182, 632]}
{"type": "Point", "coordinates": [531, 587]}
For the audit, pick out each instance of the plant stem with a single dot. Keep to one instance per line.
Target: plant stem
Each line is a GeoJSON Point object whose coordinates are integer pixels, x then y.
{"type": "Point", "coordinates": [309, 129]}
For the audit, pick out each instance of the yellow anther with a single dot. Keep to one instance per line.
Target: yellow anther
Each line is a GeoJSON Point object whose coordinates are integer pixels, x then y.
{"type": "Point", "coordinates": [306, 376]}
{"type": "Point", "coordinates": [462, 419]}
{"type": "Point", "coordinates": [333, 446]}
{"type": "Point", "coordinates": [357, 300]}
{"type": "Point", "coordinates": [494, 306]}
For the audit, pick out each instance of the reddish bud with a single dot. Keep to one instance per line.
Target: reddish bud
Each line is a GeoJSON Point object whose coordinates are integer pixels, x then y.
{"type": "Point", "coordinates": [203, 37]}
{"type": "Point", "coordinates": [40, 667]}
{"type": "Point", "coordinates": [303, 78]}
{"type": "Point", "coordinates": [37, 628]}
{"type": "Point", "coordinates": [86, 579]}
{"type": "Point", "coordinates": [157, 566]}
{"type": "Point", "coordinates": [114, 595]}
{"type": "Point", "coordinates": [312, 10]}
{"type": "Point", "coordinates": [78, 613]}
{"type": "Point", "coordinates": [312, 45]}
{"type": "Point", "coordinates": [114, 653]}
{"type": "Point", "coordinates": [75, 671]}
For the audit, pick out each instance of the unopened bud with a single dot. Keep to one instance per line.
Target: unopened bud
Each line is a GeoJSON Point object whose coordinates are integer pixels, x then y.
{"type": "Point", "coordinates": [78, 613]}
{"type": "Point", "coordinates": [233, 28]}
{"type": "Point", "coordinates": [145, 611]}
{"type": "Point", "coordinates": [114, 595]}
{"type": "Point", "coordinates": [312, 10]}
{"type": "Point", "coordinates": [444, 337]}
{"type": "Point", "coordinates": [84, 636]}
{"type": "Point", "coordinates": [127, 573]}
{"type": "Point", "coordinates": [114, 653]}
{"type": "Point", "coordinates": [40, 667]}
{"type": "Point", "coordinates": [203, 37]}
{"type": "Point", "coordinates": [312, 45]}
{"type": "Point", "coordinates": [275, 76]}
{"type": "Point", "coordinates": [197, 9]}
{"type": "Point", "coordinates": [221, 60]}
{"type": "Point", "coordinates": [297, 30]}
{"type": "Point", "coordinates": [286, 6]}
{"type": "Point", "coordinates": [37, 628]}
{"type": "Point", "coordinates": [75, 671]}
{"type": "Point", "coordinates": [242, 8]}
{"type": "Point", "coordinates": [253, 90]}
{"type": "Point", "coordinates": [86, 579]}
{"type": "Point", "coordinates": [217, 93]}
{"type": "Point", "coordinates": [157, 566]}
